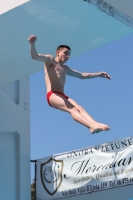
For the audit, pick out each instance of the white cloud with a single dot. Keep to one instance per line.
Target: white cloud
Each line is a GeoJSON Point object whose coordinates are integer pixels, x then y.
{"type": "Point", "coordinates": [98, 40]}
{"type": "Point", "coordinates": [49, 15]}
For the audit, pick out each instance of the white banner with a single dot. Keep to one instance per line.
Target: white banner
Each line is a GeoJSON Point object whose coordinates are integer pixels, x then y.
{"type": "Point", "coordinates": [86, 170]}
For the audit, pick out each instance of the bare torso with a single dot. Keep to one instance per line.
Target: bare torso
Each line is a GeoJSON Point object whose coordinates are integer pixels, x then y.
{"type": "Point", "coordinates": [55, 76]}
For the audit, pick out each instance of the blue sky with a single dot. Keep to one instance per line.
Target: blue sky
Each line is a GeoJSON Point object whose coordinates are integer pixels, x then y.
{"type": "Point", "coordinates": [107, 101]}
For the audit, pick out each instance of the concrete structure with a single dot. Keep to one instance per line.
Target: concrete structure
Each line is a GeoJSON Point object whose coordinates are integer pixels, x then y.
{"type": "Point", "coordinates": [15, 141]}
{"type": "Point", "coordinates": [76, 23]}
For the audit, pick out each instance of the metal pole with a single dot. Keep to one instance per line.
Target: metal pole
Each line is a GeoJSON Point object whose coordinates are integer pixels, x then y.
{"type": "Point", "coordinates": [35, 178]}
{"type": "Point", "coordinates": [35, 174]}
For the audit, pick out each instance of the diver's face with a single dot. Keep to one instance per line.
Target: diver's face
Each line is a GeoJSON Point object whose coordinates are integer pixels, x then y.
{"type": "Point", "coordinates": [63, 55]}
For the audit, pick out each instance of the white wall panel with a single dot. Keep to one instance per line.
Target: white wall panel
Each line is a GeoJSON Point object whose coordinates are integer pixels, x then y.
{"type": "Point", "coordinates": [10, 165]}
{"type": "Point", "coordinates": [15, 141]}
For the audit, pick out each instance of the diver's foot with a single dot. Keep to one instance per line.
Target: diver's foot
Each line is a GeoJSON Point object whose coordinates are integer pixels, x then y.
{"type": "Point", "coordinates": [98, 128]}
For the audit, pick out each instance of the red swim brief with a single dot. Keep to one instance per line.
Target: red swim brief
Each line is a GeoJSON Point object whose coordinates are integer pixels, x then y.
{"type": "Point", "coordinates": [51, 92]}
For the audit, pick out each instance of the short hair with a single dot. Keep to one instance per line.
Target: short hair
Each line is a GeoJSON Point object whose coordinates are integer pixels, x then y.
{"type": "Point", "coordinates": [62, 47]}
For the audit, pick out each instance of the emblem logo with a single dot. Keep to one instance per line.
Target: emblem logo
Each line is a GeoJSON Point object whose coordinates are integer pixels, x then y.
{"type": "Point", "coordinates": [51, 175]}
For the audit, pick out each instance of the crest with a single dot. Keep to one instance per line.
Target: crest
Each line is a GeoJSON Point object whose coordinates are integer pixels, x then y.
{"type": "Point", "coordinates": [51, 175]}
